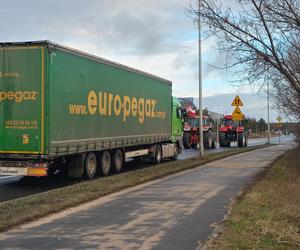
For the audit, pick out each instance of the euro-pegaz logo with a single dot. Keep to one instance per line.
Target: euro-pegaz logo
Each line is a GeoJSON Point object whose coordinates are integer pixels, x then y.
{"type": "Point", "coordinates": [18, 96]}
{"type": "Point", "coordinates": [108, 104]}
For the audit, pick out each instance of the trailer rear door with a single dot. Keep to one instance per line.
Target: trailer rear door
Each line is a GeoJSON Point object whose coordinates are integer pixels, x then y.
{"type": "Point", "coordinates": [22, 99]}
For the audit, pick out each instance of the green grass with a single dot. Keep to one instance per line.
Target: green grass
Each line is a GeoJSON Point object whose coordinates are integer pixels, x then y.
{"type": "Point", "coordinates": [268, 216]}
{"type": "Point", "coordinates": [22, 210]}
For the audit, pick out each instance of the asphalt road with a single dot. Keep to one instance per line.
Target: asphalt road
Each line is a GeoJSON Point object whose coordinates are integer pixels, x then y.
{"type": "Point", "coordinates": [176, 212]}
{"type": "Point", "coordinates": [15, 187]}
{"type": "Point", "coordinates": [189, 153]}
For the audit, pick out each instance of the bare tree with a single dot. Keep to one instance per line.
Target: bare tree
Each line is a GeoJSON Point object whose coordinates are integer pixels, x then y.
{"type": "Point", "coordinates": [260, 39]}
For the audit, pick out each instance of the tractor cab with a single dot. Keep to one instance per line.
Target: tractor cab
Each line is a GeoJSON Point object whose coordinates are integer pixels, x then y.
{"type": "Point", "coordinates": [192, 122]}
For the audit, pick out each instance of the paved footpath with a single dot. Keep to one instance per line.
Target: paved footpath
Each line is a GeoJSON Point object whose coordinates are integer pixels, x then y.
{"type": "Point", "coordinates": [176, 212]}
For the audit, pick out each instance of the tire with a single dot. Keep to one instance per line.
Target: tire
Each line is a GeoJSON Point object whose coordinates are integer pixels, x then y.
{"type": "Point", "coordinates": [90, 166]}
{"type": "Point", "coordinates": [240, 140]}
{"type": "Point", "coordinates": [246, 141]}
{"type": "Point", "coordinates": [105, 163]}
{"type": "Point", "coordinates": [117, 160]}
{"type": "Point", "coordinates": [194, 146]}
{"type": "Point", "coordinates": [207, 140]}
{"type": "Point", "coordinates": [222, 139]}
{"type": "Point", "coordinates": [186, 140]}
{"type": "Point", "coordinates": [158, 154]}
{"type": "Point", "coordinates": [213, 145]}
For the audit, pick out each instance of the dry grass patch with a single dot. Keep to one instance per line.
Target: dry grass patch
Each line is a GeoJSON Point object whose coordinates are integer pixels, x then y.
{"type": "Point", "coordinates": [268, 216]}
{"type": "Point", "coordinates": [32, 207]}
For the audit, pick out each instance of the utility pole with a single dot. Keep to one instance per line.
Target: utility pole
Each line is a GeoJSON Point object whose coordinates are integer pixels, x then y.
{"type": "Point", "coordinates": [201, 152]}
{"type": "Point", "coordinates": [269, 127]}
{"type": "Point", "coordinates": [218, 123]}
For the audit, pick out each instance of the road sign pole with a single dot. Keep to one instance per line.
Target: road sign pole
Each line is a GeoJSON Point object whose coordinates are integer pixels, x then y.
{"type": "Point", "coordinates": [217, 130]}
{"type": "Point", "coordinates": [279, 136]}
{"type": "Point", "coordinates": [279, 119]}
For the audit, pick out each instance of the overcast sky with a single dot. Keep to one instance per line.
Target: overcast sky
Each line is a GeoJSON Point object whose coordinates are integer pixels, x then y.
{"type": "Point", "coordinates": [156, 36]}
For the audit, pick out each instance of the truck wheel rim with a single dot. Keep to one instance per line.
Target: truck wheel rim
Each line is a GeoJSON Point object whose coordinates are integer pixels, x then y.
{"type": "Point", "coordinates": [91, 166]}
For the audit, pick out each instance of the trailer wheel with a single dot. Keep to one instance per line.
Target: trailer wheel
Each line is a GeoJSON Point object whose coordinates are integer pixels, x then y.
{"type": "Point", "coordinates": [90, 166]}
{"type": "Point", "coordinates": [117, 160]}
{"type": "Point", "coordinates": [158, 154]}
{"type": "Point", "coordinates": [105, 163]}
{"type": "Point", "coordinates": [240, 140]}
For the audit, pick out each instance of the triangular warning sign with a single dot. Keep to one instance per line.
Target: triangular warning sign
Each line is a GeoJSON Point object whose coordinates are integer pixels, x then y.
{"type": "Point", "coordinates": [237, 114]}
{"type": "Point", "coordinates": [237, 101]}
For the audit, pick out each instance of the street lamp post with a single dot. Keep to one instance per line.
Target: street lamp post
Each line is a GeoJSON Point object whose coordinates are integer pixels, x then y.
{"type": "Point", "coordinates": [269, 127]}
{"type": "Point", "coordinates": [218, 123]}
{"type": "Point", "coordinates": [201, 153]}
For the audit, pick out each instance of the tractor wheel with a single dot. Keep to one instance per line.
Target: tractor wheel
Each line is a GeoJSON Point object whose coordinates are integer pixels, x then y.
{"type": "Point", "coordinates": [246, 141]}
{"type": "Point", "coordinates": [207, 140]}
{"type": "Point", "coordinates": [240, 140]}
{"type": "Point", "coordinates": [186, 140]}
{"type": "Point", "coordinates": [222, 139]}
{"type": "Point", "coordinates": [213, 145]}
{"type": "Point", "coordinates": [194, 145]}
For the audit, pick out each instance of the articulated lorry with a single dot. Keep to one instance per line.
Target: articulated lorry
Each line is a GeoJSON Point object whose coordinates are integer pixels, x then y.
{"type": "Point", "coordinates": [64, 109]}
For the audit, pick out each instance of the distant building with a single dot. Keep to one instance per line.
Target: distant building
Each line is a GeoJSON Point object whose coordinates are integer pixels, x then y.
{"type": "Point", "coordinates": [187, 101]}
{"type": "Point", "coordinates": [190, 102]}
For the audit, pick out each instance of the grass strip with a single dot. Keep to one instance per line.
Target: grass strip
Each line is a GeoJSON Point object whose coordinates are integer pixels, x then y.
{"type": "Point", "coordinates": [30, 208]}
{"type": "Point", "coordinates": [268, 215]}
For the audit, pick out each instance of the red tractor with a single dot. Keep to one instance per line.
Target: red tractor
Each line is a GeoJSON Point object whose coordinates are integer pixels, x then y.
{"type": "Point", "coordinates": [191, 132]}
{"type": "Point", "coordinates": [232, 131]}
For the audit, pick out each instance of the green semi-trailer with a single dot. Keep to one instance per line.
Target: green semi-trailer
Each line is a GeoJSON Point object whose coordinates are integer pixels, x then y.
{"type": "Point", "coordinates": [60, 107]}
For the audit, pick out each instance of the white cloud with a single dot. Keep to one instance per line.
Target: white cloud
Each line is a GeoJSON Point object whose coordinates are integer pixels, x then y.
{"type": "Point", "coordinates": [155, 36]}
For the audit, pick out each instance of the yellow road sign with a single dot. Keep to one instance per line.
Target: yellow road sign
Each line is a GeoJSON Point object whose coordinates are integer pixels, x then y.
{"type": "Point", "coordinates": [237, 115]}
{"type": "Point", "coordinates": [237, 101]}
